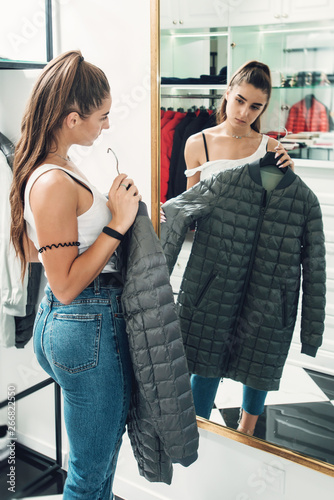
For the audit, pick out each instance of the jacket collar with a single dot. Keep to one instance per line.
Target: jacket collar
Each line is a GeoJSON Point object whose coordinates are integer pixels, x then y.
{"type": "Point", "coordinates": [287, 179]}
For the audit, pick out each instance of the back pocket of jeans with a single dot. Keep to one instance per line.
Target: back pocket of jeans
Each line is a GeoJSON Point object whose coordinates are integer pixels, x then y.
{"type": "Point", "coordinates": [75, 340]}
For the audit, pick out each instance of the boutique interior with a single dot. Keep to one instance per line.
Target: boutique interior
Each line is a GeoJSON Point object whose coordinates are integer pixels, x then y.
{"type": "Point", "coordinates": [171, 90]}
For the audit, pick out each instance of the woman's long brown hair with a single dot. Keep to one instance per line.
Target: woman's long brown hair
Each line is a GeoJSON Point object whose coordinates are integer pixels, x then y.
{"type": "Point", "coordinates": [68, 83]}
{"type": "Point", "coordinates": [258, 75]}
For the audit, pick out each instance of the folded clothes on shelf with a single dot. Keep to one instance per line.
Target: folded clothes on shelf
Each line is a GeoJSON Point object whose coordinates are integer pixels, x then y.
{"type": "Point", "coordinates": [324, 140]}
{"type": "Point", "coordinates": [221, 78]}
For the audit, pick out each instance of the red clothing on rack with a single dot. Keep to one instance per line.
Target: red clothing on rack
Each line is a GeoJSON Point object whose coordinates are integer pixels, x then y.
{"type": "Point", "coordinates": [304, 119]}
{"type": "Point", "coordinates": [167, 135]}
{"type": "Point", "coordinates": [168, 115]}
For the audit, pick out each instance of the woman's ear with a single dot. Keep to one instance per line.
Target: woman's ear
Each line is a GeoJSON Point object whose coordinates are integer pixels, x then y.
{"type": "Point", "coordinates": [72, 119]}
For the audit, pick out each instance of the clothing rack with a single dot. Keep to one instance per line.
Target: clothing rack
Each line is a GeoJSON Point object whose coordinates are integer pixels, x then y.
{"type": "Point", "coordinates": [51, 464]}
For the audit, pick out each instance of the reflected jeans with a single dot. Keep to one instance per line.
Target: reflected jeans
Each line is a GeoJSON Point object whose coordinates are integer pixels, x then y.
{"type": "Point", "coordinates": [204, 392]}
{"type": "Point", "coordinates": [83, 346]}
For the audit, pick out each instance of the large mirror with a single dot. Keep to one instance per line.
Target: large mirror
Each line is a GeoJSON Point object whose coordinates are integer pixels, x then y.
{"type": "Point", "coordinates": [196, 48]}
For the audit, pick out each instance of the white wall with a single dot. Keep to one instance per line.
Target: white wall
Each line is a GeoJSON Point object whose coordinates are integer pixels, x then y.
{"type": "Point", "coordinates": [115, 35]}
{"type": "Point", "coordinates": [225, 470]}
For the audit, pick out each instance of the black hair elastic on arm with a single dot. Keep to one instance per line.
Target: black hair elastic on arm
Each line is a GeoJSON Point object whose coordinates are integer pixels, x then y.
{"type": "Point", "coordinates": [70, 244]}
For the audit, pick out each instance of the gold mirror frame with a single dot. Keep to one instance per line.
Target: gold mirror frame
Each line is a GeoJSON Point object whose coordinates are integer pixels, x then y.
{"type": "Point", "coordinates": [226, 432]}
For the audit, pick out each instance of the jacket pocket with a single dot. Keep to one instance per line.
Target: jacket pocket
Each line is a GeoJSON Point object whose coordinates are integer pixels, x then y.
{"type": "Point", "coordinates": [284, 305]}
{"type": "Point", "coordinates": [205, 288]}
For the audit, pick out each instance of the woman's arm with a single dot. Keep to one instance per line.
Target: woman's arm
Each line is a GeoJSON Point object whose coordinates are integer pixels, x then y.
{"type": "Point", "coordinates": [193, 155]}
{"type": "Point", "coordinates": [54, 202]}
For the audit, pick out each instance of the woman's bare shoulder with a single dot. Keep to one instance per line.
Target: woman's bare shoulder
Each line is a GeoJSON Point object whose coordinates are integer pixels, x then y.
{"type": "Point", "coordinates": [194, 150]}
{"type": "Point", "coordinates": [53, 178]}
{"type": "Point", "coordinates": [214, 131]}
{"type": "Point", "coordinates": [194, 143]}
{"type": "Point", "coordinates": [196, 140]}
{"type": "Point", "coordinates": [54, 185]}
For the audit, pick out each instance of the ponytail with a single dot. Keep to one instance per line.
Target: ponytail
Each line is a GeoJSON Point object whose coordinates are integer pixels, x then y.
{"type": "Point", "coordinates": [256, 74]}
{"type": "Point", "coordinates": [67, 83]}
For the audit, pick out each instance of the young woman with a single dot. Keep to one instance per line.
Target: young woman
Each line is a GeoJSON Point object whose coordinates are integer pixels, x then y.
{"type": "Point", "coordinates": [61, 218]}
{"type": "Point", "coordinates": [234, 141]}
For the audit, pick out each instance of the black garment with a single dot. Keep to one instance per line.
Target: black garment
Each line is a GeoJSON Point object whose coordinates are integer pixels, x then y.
{"type": "Point", "coordinates": [203, 79]}
{"type": "Point", "coordinates": [177, 151]}
{"type": "Point", "coordinates": [24, 325]}
{"type": "Point", "coordinates": [178, 179]}
{"type": "Point", "coordinates": [7, 147]}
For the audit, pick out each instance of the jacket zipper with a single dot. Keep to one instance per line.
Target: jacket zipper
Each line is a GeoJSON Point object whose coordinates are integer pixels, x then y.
{"type": "Point", "coordinates": [263, 206]}
{"type": "Point", "coordinates": [256, 238]}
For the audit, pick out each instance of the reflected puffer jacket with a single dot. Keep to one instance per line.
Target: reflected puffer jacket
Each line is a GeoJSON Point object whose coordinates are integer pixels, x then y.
{"type": "Point", "coordinates": [162, 422]}
{"type": "Point", "coordinates": [239, 294]}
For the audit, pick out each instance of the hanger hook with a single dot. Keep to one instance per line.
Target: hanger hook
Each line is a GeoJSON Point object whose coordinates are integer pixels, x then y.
{"type": "Point", "coordinates": [113, 152]}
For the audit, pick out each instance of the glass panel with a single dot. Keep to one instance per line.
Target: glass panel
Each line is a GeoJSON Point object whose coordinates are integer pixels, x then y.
{"type": "Point", "coordinates": [193, 57]}
{"type": "Point", "coordinates": [23, 32]}
{"type": "Point", "coordinates": [301, 59]}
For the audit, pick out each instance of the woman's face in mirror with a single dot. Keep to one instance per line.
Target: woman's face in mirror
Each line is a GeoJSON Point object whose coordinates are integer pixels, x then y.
{"type": "Point", "coordinates": [245, 103]}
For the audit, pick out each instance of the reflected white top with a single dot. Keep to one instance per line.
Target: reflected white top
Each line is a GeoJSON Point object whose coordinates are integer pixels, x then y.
{"type": "Point", "coordinates": [211, 167]}
{"type": "Point", "coordinates": [90, 223]}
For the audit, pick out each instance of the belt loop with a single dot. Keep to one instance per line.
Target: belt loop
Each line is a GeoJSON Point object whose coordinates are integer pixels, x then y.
{"type": "Point", "coordinates": [97, 285]}
{"type": "Point", "coordinates": [49, 295]}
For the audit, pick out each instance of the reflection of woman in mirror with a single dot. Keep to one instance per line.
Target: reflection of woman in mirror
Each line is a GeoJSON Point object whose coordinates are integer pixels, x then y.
{"type": "Point", "coordinates": [79, 333]}
{"type": "Point", "coordinates": [235, 141]}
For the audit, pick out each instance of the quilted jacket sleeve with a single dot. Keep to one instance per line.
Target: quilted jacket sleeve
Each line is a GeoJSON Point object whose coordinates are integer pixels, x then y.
{"type": "Point", "coordinates": [156, 347]}
{"type": "Point", "coordinates": [314, 282]}
{"type": "Point", "coordinates": [181, 211]}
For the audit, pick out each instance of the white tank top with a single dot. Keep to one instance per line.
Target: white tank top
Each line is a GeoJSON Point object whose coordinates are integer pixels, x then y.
{"type": "Point", "coordinates": [211, 167]}
{"type": "Point", "coordinates": [90, 223]}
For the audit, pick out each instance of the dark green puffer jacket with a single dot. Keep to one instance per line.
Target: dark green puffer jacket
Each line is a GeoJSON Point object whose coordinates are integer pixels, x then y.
{"type": "Point", "coordinates": [239, 294]}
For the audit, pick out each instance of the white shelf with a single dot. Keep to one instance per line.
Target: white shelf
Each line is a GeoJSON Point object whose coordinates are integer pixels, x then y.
{"type": "Point", "coordinates": [325, 164]}
{"type": "Point", "coordinates": [194, 87]}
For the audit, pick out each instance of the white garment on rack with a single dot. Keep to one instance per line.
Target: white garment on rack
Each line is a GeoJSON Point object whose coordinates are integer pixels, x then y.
{"type": "Point", "coordinates": [211, 167]}
{"type": "Point", "coordinates": [13, 292]}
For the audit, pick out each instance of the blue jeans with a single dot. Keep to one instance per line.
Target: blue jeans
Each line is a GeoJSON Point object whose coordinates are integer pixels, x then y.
{"type": "Point", "coordinates": [204, 392]}
{"type": "Point", "coordinates": [83, 346]}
